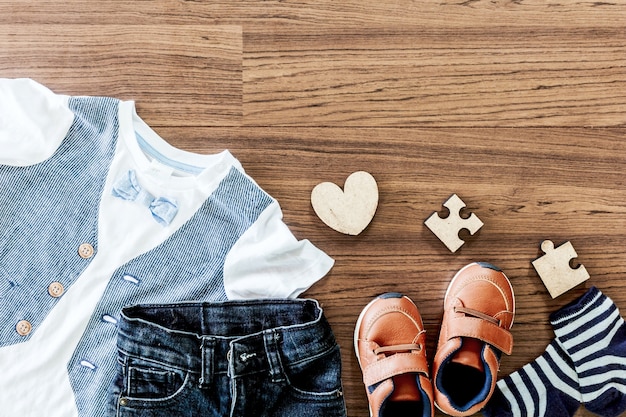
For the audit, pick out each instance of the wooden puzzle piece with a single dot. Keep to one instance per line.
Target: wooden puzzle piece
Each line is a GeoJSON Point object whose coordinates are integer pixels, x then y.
{"type": "Point", "coordinates": [447, 230]}
{"type": "Point", "coordinates": [554, 268]}
{"type": "Point", "coordinates": [349, 210]}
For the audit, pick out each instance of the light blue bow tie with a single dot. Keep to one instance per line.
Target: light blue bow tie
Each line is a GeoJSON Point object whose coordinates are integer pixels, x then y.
{"type": "Point", "coordinates": [127, 188]}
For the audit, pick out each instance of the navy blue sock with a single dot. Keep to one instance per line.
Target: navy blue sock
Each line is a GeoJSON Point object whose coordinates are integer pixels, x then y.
{"type": "Point", "coordinates": [547, 386]}
{"type": "Point", "coordinates": [593, 334]}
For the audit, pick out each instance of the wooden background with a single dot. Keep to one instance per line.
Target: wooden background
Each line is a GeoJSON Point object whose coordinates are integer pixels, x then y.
{"type": "Point", "coordinates": [518, 106]}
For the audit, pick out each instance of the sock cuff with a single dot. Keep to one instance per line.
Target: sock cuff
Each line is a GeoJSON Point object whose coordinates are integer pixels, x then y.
{"type": "Point", "coordinates": [582, 307]}
{"type": "Point", "coordinates": [586, 325]}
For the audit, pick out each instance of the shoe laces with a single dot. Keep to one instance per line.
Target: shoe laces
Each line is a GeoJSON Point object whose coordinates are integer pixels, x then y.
{"type": "Point", "coordinates": [476, 313]}
{"type": "Point", "coordinates": [403, 347]}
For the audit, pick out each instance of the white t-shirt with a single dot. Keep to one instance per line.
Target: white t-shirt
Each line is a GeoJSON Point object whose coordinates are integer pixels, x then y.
{"type": "Point", "coordinates": [266, 261]}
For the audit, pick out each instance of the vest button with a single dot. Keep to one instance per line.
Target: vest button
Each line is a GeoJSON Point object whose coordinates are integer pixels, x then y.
{"type": "Point", "coordinates": [56, 289]}
{"type": "Point", "coordinates": [23, 327]}
{"type": "Point", "coordinates": [85, 251]}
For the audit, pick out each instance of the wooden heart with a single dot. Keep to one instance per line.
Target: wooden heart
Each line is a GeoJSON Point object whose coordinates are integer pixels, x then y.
{"type": "Point", "coordinates": [349, 210]}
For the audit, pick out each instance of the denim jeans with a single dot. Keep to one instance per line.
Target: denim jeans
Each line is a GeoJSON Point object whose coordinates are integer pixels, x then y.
{"type": "Point", "coordinates": [234, 358]}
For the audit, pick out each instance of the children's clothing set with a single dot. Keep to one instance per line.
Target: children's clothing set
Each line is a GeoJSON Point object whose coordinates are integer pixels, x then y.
{"type": "Point", "coordinates": [98, 214]}
{"type": "Point", "coordinates": [137, 279]}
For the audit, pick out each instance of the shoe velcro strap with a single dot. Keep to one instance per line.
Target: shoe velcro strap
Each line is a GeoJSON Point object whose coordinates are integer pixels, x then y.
{"type": "Point", "coordinates": [393, 365]}
{"type": "Point", "coordinates": [486, 331]}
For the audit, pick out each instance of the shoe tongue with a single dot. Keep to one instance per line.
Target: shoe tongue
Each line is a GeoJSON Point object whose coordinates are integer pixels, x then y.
{"type": "Point", "coordinates": [470, 354]}
{"type": "Point", "coordinates": [405, 388]}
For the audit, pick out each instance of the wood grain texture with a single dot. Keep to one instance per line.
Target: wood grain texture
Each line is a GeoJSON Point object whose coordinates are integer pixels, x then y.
{"type": "Point", "coordinates": [192, 73]}
{"type": "Point", "coordinates": [474, 76]}
{"type": "Point", "coordinates": [519, 107]}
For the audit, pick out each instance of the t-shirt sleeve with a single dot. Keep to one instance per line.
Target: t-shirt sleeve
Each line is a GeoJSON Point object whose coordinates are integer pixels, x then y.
{"type": "Point", "coordinates": [269, 262]}
{"type": "Point", "coordinates": [33, 122]}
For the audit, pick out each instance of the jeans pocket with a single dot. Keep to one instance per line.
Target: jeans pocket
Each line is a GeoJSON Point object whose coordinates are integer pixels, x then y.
{"type": "Point", "coordinates": [318, 377]}
{"type": "Point", "coordinates": [152, 383]}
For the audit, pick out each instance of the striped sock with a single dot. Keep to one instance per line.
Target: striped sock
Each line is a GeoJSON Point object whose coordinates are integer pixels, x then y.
{"type": "Point", "coordinates": [593, 334]}
{"type": "Point", "coordinates": [545, 387]}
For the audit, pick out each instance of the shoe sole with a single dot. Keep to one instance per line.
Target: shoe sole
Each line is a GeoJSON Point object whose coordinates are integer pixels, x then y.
{"type": "Point", "coordinates": [356, 340]}
{"type": "Point", "coordinates": [357, 326]}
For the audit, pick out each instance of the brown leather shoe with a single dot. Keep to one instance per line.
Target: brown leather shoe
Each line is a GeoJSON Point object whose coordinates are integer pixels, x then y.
{"type": "Point", "coordinates": [478, 312]}
{"type": "Point", "coordinates": [389, 341]}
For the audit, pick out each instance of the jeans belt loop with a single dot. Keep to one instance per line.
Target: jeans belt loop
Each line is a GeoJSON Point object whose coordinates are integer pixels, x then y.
{"type": "Point", "coordinates": [208, 350]}
{"type": "Point", "coordinates": [272, 339]}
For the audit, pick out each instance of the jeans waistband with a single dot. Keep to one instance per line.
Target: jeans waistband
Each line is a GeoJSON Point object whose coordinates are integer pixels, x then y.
{"type": "Point", "coordinates": [233, 337]}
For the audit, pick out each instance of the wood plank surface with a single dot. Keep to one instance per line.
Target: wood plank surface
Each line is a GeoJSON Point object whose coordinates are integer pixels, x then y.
{"type": "Point", "coordinates": [519, 107]}
{"type": "Point", "coordinates": [473, 76]}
